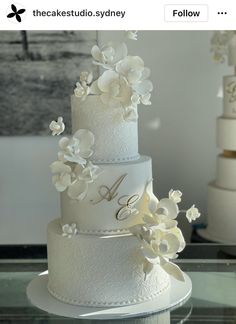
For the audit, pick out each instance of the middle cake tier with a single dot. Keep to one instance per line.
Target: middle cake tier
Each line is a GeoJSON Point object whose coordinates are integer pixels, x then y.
{"type": "Point", "coordinates": [113, 200]}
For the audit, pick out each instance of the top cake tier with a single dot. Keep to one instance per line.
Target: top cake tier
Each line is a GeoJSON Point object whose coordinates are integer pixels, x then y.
{"type": "Point", "coordinates": [116, 140]}
{"type": "Point", "coordinates": [229, 96]}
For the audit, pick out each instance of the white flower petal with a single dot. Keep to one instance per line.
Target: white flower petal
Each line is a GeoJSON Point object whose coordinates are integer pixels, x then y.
{"type": "Point", "coordinates": [149, 253]}
{"type": "Point", "coordinates": [94, 89]}
{"type": "Point", "coordinates": [78, 190]}
{"type": "Point", "coordinates": [147, 268]}
{"type": "Point", "coordinates": [168, 208]}
{"type": "Point", "coordinates": [173, 270]}
{"type": "Point", "coordinates": [96, 53]}
{"type": "Point", "coordinates": [173, 243]}
{"type": "Point", "coordinates": [105, 80]}
{"type": "Point", "coordinates": [143, 87]}
{"type": "Point", "coordinates": [130, 114]}
{"type": "Point", "coordinates": [86, 140]}
{"type": "Point", "coordinates": [146, 73]}
{"type": "Point", "coordinates": [60, 167]}
{"type": "Point", "coordinates": [64, 141]}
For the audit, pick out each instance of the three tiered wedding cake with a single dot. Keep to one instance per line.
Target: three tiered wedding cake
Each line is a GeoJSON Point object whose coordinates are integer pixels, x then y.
{"type": "Point", "coordinates": [222, 191]}
{"type": "Point", "coordinates": [114, 241]}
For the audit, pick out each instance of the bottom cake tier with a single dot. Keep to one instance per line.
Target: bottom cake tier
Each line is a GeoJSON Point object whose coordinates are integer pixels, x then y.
{"type": "Point", "coordinates": [221, 214]}
{"type": "Point", "coordinates": [93, 270]}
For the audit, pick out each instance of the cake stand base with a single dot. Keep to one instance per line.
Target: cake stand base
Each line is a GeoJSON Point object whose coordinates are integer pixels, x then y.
{"type": "Point", "coordinates": [39, 296]}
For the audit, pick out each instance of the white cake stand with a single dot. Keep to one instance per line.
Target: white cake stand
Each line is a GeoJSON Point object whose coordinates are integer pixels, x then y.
{"type": "Point", "coordinates": [39, 296]}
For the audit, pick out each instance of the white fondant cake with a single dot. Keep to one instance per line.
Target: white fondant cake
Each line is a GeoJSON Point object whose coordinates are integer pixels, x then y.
{"type": "Point", "coordinates": [232, 51]}
{"type": "Point", "coordinates": [225, 132]}
{"type": "Point", "coordinates": [221, 214]}
{"type": "Point", "coordinates": [221, 204]}
{"type": "Point", "coordinates": [106, 189]}
{"type": "Point", "coordinates": [226, 172]}
{"type": "Point", "coordinates": [229, 86]}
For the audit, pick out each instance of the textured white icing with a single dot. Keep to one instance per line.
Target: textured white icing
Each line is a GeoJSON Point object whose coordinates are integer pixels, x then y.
{"type": "Point", "coordinates": [226, 130]}
{"type": "Point", "coordinates": [229, 102]}
{"type": "Point", "coordinates": [226, 172]}
{"type": "Point", "coordinates": [232, 51]}
{"type": "Point", "coordinates": [221, 213]}
{"type": "Point", "coordinates": [100, 271]}
{"type": "Point", "coordinates": [115, 139]}
{"type": "Point", "coordinates": [101, 217]}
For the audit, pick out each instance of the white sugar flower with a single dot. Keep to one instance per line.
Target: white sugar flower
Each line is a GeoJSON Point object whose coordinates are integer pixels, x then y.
{"type": "Point", "coordinates": [69, 230]}
{"type": "Point", "coordinates": [81, 90]}
{"type": "Point", "coordinates": [175, 195]}
{"type": "Point", "coordinates": [108, 55]}
{"type": "Point", "coordinates": [192, 213]}
{"type": "Point", "coordinates": [83, 177]}
{"type": "Point", "coordinates": [62, 175]}
{"type": "Point", "coordinates": [113, 89]}
{"type": "Point", "coordinates": [57, 127]}
{"type": "Point", "coordinates": [131, 67]}
{"type": "Point", "coordinates": [164, 246]}
{"type": "Point", "coordinates": [132, 34]}
{"type": "Point", "coordinates": [78, 148]}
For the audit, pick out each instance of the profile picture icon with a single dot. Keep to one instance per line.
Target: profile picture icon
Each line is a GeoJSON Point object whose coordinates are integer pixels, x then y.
{"type": "Point", "coordinates": [16, 13]}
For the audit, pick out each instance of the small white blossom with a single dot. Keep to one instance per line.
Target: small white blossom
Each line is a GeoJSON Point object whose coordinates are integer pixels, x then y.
{"type": "Point", "coordinates": [81, 90]}
{"type": "Point", "coordinates": [69, 230]}
{"type": "Point", "coordinates": [175, 195]}
{"type": "Point", "coordinates": [57, 127]}
{"type": "Point", "coordinates": [192, 214]}
{"type": "Point", "coordinates": [132, 34]}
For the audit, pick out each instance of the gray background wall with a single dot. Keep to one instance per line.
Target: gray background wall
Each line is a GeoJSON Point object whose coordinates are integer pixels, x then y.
{"type": "Point", "coordinates": [178, 131]}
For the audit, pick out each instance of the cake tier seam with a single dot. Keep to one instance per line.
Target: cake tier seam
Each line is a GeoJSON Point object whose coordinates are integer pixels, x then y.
{"type": "Point", "coordinates": [93, 303]}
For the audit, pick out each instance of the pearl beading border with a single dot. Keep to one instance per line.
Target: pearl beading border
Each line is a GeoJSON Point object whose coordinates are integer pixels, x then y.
{"type": "Point", "coordinates": [93, 303]}
{"type": "Point", "coordinates": [116, 160]}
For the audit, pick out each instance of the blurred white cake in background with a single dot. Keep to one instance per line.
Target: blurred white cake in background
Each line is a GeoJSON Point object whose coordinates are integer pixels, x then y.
{"type": "Point", "coordinates": [221, 203]}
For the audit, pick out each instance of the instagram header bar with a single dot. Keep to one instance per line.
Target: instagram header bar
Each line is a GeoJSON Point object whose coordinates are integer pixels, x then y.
{"type": "Point", "coordinates": [117, 15]}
